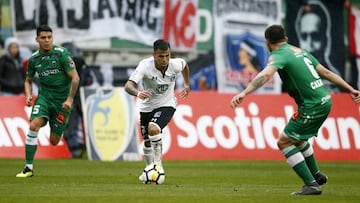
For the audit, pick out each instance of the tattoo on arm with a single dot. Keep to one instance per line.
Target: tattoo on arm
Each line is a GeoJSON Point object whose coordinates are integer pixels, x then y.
{"type": "Point", "coordinates": [131, 88]}
{"type": "Point", "coordinates": [73, 89]}
{"type": "Point", "coordinates": [258, 82]}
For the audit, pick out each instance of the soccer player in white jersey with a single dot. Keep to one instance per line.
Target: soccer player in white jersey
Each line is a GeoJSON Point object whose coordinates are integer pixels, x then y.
{"type": "Point", "coordinates": [158, 101]}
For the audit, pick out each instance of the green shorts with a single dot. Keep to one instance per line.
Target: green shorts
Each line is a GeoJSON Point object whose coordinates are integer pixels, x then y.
{"type": "Point", "coordinates": [53, 112]}
{"type": "Point", "coordinates": [305, 123]}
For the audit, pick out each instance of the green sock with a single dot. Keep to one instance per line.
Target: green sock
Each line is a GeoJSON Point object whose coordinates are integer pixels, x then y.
{"type": "Point", "coordinates": [30, 146]}
{"type": "Point", "coordinates": [296, 160]}
{"type": "Point", "coordinates": [30, 153]}
{"type": "Point", "coordinates": [303, 171]}
{"type": "Point", "coordinates": [308, 152]}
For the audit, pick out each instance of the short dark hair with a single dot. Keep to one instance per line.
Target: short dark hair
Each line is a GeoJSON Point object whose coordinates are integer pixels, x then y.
{"type": "Point", "coordinates": [161, 44]}
{"type": "Point", "coordinates": [275, 34]}
{"type": "Point", "coordinates": [43, 28]}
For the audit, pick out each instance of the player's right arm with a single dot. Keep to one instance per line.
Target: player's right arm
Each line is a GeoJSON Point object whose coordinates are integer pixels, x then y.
{"type": "Point", "coordinates": [261, 78]}
{"type": "Point", "coordinates": [28, 90]}
{"type": "Point", "coordinates": [131, 88]}
{"type": "Point", "coordinates": [30, 72]}
{"type": "Point", "coordinates": [131, 84]}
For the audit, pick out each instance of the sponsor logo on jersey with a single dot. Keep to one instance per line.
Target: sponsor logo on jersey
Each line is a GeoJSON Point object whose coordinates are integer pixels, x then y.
{"type": "Point", "coordinates": [49, 72]}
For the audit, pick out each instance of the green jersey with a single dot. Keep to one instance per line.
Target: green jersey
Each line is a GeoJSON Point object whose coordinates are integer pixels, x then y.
{"type": "Point", "coordinates": [296, 68]}
{"type": "Point", "coordinates": [52, 68]}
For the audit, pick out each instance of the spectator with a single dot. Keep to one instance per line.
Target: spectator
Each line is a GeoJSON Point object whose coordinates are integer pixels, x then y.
{"type": "Point", "coordinates": [12, 75]}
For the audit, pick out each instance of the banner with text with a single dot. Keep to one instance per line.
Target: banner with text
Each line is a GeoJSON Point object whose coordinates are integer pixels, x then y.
{"type": "Point", "coordinates": [213, 130]}
{"type": "Point", "coordinates": [14, 124]}
{"type": "Point", "coordinates": [139, 21]}
{"type": "Point", "coordinates": [198, 130]}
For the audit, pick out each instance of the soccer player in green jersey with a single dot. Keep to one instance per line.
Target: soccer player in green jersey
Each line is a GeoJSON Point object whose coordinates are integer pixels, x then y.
{"type": "Point", "coordinates": [302, 76]}
{"type": "Point", "coordinates": [59, 83]}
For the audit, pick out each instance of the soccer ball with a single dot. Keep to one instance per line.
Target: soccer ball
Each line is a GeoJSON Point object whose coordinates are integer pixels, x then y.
{"type": "Point", "coordinates": [153, 174]}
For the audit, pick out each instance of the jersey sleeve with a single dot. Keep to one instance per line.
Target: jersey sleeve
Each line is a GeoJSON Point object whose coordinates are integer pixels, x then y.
{"type": "Point", "coordinates": [314, 61]}
{"type": "Point", "coordinates": [66, 59]}
{"type": "Point", "coordinates": [181, 63]}
{"type": "Point", "coordinates": [30, 72]}
{"type": "Point", "coordinates": [276, 61]}
{"type": "Point", "coordinates": [139, 72]}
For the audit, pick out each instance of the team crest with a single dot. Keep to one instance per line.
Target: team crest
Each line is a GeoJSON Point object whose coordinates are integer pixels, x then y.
{"type": "Point", "coordinates": [110, 124]}
{"type": "Point", "coordinates": [71, 62]}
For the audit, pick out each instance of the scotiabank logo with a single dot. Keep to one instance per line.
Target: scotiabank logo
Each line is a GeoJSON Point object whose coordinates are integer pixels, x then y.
{"type": "Point", "coordinates": [212, 130]}
{"type": "Point", "coordinates": [255, 133]}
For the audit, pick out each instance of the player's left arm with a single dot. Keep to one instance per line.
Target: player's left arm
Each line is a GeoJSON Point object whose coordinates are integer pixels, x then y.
{"type": "Point", "coordinates": [261, 78]}
{"type": "Point", "coordinates": [74, 82]}
{"type": "Point", "coordinates": [74, 85]}
{"type": "Point", "coordinates": [186, 75]}
{"type": "Point", "coordinates": [337, 80]}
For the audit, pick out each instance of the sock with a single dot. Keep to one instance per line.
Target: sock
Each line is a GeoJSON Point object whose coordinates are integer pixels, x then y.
{"type": "Point", "coordinates": [148, 155]}
{"type": "Point", "coordinates": [156, 144]}
{"type": "Point", "coordinates": [296, 160]}
{"type": "Point", "coordinates": [308, 152]}
{"type": "Point", "coordinates": [30, 148]}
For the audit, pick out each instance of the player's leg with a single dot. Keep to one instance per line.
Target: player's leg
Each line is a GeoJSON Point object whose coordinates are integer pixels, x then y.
{"type": "Point", "coordinates": [296, 160]}
{"type": "Point", "coordinates": [161, 117]}
{"type": "Point", "coordinates": [59, 119]}
{"type": "Point", "coordinates": [307, 150]}
{"type": "Point", "coordinates": [148, 152]}
{"type": "Point", "coordinates": [38, 119]}
{"type": "Point", "coordinates": [156, 141]}
{"type": "Point", "coordinates": [31, 146]}
{"type": "Point", "coordinates": [314, 120]}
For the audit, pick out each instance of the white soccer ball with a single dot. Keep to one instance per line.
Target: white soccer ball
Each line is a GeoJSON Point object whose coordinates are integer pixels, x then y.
{"type": "Point", "coordinates": [153, 174]}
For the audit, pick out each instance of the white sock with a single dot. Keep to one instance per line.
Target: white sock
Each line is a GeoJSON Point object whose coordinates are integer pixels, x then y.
{"type": "Point", "coordinates": [30, 166]}
{"type": "Point", "coordinates": [148, 155]}
{"type": "Point", "coordinates": [156, 144]}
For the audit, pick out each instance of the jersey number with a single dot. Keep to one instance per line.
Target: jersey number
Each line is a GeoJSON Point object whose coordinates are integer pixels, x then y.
{"type": "Point", "coordinates": [311, 68]}
{"type": "Point", "coordinates": [36, 109]}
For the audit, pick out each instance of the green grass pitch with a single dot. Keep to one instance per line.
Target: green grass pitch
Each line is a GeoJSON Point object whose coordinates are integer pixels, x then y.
{"type": "Point", "coordinates": [81, 180]}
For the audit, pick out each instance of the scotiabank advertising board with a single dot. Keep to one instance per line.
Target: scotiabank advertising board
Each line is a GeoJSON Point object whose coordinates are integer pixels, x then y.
{"type": "Point", "coordinates": [205, 127]}
{"type": "Point", "coordinates": [14, 124]}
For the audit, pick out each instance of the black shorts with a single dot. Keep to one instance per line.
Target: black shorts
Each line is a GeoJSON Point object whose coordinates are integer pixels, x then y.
{"type": "Point", "coordinates": [161, 116]}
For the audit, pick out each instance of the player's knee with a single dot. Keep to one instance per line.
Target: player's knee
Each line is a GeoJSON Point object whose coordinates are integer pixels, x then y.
{"type": "Point", "coordinates": [54, 139]}
{"type": "Point", "coordinates": [153, 129]}
{"type": "Point", "coordinates": [35, 126]}
{"type": "Point", "coordinates": [283, 142]}
{"type": "Point", "coordinates": [279, 144]}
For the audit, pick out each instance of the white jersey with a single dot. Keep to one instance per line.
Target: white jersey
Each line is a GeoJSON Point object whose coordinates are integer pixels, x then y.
{"type": "Point", "coordinates": [161, 86]}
